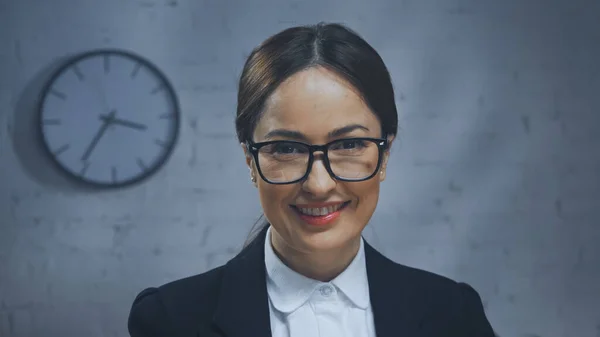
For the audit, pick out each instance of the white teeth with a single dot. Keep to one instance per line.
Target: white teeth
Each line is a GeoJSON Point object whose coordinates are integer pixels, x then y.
{"type": "Point", "coordinates": [319, 211]}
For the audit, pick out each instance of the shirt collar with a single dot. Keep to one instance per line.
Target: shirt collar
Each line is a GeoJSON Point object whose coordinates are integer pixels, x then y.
{"type": "Point", "coordinates": [288, 290]}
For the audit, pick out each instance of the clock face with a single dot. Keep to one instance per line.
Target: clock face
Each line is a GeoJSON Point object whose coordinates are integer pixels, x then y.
{"type": "Point", "coordinates": [109, 118]}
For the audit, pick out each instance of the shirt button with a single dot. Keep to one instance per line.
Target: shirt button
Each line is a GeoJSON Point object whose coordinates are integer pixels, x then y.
{"type": "Point", "coordinates": [326, 290]}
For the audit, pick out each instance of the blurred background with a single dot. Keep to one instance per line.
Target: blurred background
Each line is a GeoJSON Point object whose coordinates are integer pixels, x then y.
{"type": "Point", "coordinates": [494, 180]}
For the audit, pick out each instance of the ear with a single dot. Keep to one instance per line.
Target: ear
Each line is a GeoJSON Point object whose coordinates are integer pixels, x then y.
{"type": "Point", "coordinates": [386, 157]}
{"type": "Point", "coordinates": [247, 155]}
{"type": "Point", "coordinates": [249, 163]}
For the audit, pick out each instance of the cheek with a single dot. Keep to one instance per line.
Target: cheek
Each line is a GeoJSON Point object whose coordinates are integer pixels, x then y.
{"type": "Point", "coordinates": [274, 198]}
{"type": "Point", "coordinates": [366, 193]}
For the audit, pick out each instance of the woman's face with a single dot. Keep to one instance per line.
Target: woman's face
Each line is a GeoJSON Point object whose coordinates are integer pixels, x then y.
{"type": "Point", "coordinates": [313, 103]}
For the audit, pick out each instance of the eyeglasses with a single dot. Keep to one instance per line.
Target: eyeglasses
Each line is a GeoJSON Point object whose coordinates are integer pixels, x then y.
{"type": "Point", "coordinates": [287, 162]}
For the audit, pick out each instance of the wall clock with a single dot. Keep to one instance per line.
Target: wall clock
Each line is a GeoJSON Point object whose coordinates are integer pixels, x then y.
{"type": "Point", "coordinates": [109, 118]}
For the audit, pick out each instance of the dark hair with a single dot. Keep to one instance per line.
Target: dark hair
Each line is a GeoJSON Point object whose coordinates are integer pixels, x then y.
{"type": "Point", "coordinates": [329, 45]}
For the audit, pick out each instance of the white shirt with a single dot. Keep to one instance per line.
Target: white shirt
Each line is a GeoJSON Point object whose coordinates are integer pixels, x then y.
{"type": "Point", "coordinates": [303, 307]}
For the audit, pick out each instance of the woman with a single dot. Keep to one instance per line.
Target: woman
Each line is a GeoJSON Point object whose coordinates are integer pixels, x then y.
{"type": "Point", "coordinates": [316, 118]}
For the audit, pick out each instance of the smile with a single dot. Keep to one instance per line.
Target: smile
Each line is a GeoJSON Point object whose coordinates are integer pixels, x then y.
{"type": "Point", "coordinates": [320, 210]}
{"type": "Point", "coordinates": [320, 215]}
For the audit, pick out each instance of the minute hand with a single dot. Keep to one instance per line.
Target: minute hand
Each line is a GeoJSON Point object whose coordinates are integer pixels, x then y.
{"type": "Point", "coordinates": [95, 140]}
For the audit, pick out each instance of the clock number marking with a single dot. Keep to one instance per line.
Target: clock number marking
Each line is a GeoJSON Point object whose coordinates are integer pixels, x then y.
{"type": "Point", "coordinates": [106, 64]}
{"type": "Point", "coordinates": [86, 165]}
{"type": "Point", "coordinates": [136, 69]}
{"type": "Point", "coordinates": [160, 143]}
{"type": "Point", "coordinates": [141, 164]}
{"type": "Point", "coordinates": [113, 174]}
{"type": "Point", "coordinates": [58, 94]}
{"type": "Point", "coordinates": [61, 150]}
{"type": "Point", "coordinates": [78, 73]}
{"type": "Point", "coordinates": [51, 121]}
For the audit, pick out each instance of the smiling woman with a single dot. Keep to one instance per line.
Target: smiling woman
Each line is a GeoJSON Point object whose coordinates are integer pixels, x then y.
{"type": "Point", "coordinates": [316, 120]}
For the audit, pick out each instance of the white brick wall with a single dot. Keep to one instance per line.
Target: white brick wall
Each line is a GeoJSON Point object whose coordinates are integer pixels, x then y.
{"type": "Point", "coordinates": [495, 179]}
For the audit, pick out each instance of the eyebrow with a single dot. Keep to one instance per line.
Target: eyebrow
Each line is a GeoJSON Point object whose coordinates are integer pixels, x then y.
{"type": "Point", "coordinates": [300, 136]}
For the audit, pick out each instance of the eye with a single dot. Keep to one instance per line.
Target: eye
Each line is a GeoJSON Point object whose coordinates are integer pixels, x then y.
{"type": "Point", "coordinates": [285, 148]}
{"type": "Point", "coordinates": [349, 144]}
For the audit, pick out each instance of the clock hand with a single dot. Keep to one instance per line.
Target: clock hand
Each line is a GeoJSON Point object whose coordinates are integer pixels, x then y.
{"type": "Point", "coordinates": [125, 123]}
{"type": "Point", "coordinates": [106, 123]}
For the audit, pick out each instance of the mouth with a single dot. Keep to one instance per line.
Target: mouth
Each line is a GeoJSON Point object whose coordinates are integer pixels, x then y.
{"type": "Point", "coordinates": [319, 216]}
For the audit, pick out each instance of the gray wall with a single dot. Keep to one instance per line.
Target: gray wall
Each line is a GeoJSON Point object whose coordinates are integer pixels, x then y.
{"type": "Point", "coordinates": [494, 180]}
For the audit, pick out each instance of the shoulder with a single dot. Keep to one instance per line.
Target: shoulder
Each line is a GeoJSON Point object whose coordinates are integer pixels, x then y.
{"type": "Point", "coordinates": [439, 286]}
{"type": "Point", "coordinates": [420, 282]}
{"type": "Point", "coordinates": [436, 284]}
{"type": "Point", "coordinates": [446, 299]}
{"type": "Point", "coordinates": [428, 285]}
{"type": "Point", "coordinates": [184, 304]}
{"type": "Point", "coordinates": [427, 296]}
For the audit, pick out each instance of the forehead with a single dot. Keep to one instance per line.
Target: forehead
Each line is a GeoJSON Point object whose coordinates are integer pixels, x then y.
{"type": "Point", "coordinates": [314, 102]}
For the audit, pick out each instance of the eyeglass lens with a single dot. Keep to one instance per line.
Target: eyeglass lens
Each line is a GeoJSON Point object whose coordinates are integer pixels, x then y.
{"type": "Point", "coordinates": [349, 159]}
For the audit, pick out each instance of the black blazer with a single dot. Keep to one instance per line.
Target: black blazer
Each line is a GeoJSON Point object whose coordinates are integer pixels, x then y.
{"type": "Point", "coordinates": [232, 301]}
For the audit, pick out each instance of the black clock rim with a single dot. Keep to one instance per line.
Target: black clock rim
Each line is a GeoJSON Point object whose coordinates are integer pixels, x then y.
{"type": "Point", "coordinates": [170, 145]}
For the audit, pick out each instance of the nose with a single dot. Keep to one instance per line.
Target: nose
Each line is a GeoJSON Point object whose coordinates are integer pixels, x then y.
{"type": "Point", "coordinates": [319, 181]}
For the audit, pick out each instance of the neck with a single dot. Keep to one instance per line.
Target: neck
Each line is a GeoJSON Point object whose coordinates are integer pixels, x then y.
{"type": "Point", "coordinates": [323, 266]}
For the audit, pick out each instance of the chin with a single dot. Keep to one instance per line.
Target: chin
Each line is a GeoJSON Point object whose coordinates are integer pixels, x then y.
{"type": "Point", "coordinates": [317, 246]}
{"type": "Point", "coordinates": [332, 239]}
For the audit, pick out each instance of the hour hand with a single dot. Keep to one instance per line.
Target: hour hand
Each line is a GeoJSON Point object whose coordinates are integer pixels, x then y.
{"type": "Point", "coordinates": [123, 122]}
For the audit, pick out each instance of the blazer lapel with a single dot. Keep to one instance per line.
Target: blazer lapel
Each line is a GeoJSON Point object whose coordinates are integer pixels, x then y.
{"type": "Point", "coordinates": [243, 308]}
{"type": "Point", "coordinates": [396, 310]}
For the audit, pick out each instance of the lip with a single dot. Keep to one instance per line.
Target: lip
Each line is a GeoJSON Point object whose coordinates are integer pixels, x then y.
{"type": "Point", "coordinates": [320, 204]}
{"type": "Point", "coordinates": [321, 220]}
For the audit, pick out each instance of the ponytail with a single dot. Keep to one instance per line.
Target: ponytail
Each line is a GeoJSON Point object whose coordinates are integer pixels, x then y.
{"type": "Point", "coordinates": [258, 226]}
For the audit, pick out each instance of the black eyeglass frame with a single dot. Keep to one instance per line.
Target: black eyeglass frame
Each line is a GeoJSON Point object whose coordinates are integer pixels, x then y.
{"type": "Point", "coordinates": [382, 145]}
